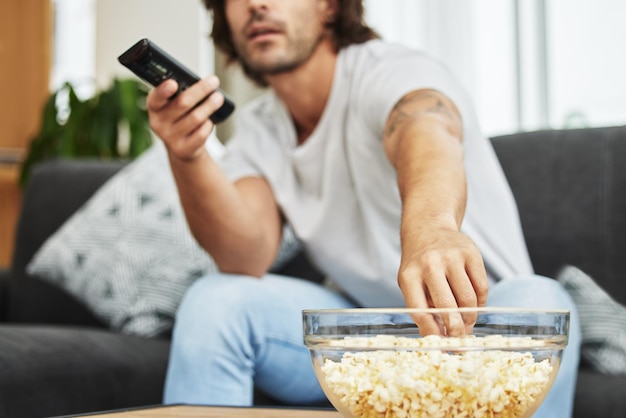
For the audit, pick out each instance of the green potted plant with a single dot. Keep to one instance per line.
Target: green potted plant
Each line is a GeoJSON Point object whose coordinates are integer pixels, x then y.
{"type": "Point", "coordinates": [111, 124]}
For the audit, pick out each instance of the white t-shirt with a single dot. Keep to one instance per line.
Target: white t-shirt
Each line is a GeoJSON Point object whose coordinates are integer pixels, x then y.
{"type": "Point", "coordinates": [338, 190]}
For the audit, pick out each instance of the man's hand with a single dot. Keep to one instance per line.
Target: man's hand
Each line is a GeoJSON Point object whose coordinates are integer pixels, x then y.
{"type": "Point", "coordinates": [441, 267]}
{"type": "Point", "coordinates": [183, 122]}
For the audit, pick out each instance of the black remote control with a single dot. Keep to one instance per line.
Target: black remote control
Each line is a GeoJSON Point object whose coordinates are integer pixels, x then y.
{"type": "Point", "coordinates": [153, 65]}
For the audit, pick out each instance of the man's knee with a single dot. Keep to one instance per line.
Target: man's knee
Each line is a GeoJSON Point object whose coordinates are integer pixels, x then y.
{"type": "Point", "coordinates": [530, 292]}
{"type": "Point", "coordinates": [537, 292]}
{"type": "Point", "coordinates": [216, 292]}
{"type": "Point", "coordinates": [213, 302]}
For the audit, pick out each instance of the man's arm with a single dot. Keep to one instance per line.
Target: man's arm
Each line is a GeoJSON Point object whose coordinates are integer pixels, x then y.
{"type": "Point", "coordinates": [238, 224]}
{"type": "Point", "coordinates": [440, 266]}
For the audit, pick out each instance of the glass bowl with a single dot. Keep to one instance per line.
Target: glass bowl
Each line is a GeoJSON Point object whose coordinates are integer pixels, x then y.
{"type": "Point", "coordinates": [375, 362]}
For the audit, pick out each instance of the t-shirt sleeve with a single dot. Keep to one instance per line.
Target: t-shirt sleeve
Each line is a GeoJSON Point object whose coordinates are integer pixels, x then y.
{"type": "Point", "coordinates": [387, 74]}
{"type": "Point", "coordinates": [236, 162]}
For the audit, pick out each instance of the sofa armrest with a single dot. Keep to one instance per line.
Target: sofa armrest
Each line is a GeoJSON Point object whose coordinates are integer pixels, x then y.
{"type": "Point", "coordinates": [56, 189]}
{"type": "Point", "coordinates": [4, 283]}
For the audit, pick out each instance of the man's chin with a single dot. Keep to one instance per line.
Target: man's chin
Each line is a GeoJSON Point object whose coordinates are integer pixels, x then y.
{"type": "Point", "coordinates": [273, 68]}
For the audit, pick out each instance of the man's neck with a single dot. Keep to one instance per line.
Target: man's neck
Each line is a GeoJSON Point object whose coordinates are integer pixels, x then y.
{"type": "Point", "coordinates": [305, 90]}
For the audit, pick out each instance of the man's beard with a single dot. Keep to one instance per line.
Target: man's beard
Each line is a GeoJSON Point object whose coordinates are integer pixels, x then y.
{"type": "Point", "coordinates": [303, 52]}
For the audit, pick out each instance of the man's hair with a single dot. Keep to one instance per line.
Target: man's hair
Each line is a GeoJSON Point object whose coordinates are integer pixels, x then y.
{"type": "Point", "coordinates": [348, 27]}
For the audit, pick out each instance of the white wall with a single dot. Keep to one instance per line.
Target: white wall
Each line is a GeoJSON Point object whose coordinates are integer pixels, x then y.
{"type": "Point", "coordinates": [177, 26]}
{"type": "Point", "coordinates": [587, 63]}
{"type": "Point", "coordinates": [73, 52]}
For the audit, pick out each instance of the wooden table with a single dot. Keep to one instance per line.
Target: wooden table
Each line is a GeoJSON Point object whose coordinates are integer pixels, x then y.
{"type": "Point", "coordinates": [192, 411]}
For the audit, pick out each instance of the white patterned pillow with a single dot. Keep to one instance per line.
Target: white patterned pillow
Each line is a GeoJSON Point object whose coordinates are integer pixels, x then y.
{"type": "Point", "coordinates": [127, 253]}
{"type": "Point", "coordinates": [602, 320]}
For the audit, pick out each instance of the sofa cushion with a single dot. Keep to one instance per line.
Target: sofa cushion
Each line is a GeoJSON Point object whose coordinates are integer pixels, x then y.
{"type": "Point", "coordinates": [602, 320]}
{"type": "Point", "coordinates": [57, 370]}
{"type": "Point", "coordinates": [128, 253]}
{"type": "Point", "coordinates": [55, 191]}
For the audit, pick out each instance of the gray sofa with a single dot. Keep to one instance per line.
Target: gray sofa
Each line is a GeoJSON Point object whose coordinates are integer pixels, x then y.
{"type": "Point", "coordinates": [57, 358]}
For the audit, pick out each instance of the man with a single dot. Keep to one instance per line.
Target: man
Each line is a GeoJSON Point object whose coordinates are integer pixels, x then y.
{"type": "Point", "coordinates": [373, 156]}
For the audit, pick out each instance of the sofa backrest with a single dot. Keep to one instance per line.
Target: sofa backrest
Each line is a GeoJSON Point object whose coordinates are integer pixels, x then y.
{"type": "Point", "coordinates": [570, 187]}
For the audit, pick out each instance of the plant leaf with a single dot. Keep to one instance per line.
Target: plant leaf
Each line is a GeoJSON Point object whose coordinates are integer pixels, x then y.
{"type": "Point", "coordinates": [90, 128]}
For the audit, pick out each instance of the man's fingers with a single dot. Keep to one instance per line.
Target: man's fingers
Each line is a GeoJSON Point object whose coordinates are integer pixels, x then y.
{"type": "Point", "coordinates": [478, 277]}
{"type": "Point", "coordinates": [190, 122]}
{"type": "Point", "coordinates": [442, 295]}
{"type": "Point", "coordinates": [160, 96]}
{"type": "Point", "coordinates": [447, 289]}
{"type": "Point", "coordinates": [195, 96]}
{"type": "Point", "coordinates": [417, 298]}
{"type": "Point", "coordinates": [464, 295]}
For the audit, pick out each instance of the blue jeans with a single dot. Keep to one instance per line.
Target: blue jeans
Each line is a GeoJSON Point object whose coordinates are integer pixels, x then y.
{"type": "Point", "coordinates": [235, 332]}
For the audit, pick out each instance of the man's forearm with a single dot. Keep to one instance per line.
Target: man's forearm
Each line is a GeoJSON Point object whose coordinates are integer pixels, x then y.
{"type": "Point", "coordinates": [431, 176]}
{"type": "Point", "coordinates": [222, 220]}
{"type": "Point", "coordinates": [423, 141]}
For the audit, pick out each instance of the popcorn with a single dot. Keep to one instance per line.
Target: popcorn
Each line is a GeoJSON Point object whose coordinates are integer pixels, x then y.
{"type": "Point", "coordinates": [413, 377]}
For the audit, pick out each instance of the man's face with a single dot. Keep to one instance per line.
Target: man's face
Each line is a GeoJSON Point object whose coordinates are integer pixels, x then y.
{"type": "Point", "coordinates": [276, 36]}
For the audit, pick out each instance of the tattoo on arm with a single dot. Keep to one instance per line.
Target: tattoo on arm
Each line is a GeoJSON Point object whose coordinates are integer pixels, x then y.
{"type": "Point", "coordinates": [421, 102]}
